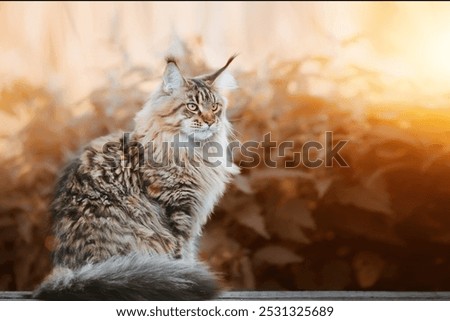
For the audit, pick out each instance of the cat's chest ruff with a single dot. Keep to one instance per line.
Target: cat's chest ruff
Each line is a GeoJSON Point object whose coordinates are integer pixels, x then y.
{"type": "Point", "coordinates": [202, 184]}
{"type": "Point", "coordinates": [201, 179]}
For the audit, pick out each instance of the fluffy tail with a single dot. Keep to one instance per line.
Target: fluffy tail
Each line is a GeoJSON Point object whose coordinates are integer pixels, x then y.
{"type": "Point", "coordinates": [132, 277]}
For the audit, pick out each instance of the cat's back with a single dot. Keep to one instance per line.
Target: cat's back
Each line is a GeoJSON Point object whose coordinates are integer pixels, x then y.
{"type": "Point", "coordinates": [86, 175]}
{"type": "Point", "coordinates": [98, 210]}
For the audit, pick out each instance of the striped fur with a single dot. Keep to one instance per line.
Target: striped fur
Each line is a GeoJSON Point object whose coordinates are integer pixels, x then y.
{"type": "Point", "coordinates": [126, 229]}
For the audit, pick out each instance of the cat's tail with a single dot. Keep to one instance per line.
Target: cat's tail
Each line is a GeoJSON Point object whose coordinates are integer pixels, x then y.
{"type": "Point", "coordinates": [131, 277]}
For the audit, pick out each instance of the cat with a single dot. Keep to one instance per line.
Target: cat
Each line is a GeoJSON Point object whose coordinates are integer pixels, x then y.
{"type": "Point", "coordinates": [128, 230]}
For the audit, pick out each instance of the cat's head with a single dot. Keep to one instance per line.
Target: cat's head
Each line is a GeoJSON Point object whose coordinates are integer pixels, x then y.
{"type": "Point", "coordinates": [194, 107]}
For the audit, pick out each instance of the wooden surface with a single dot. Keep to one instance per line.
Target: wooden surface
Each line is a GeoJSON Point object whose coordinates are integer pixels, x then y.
{"type": "Point", "coordinates": [15, 295]}
{"type": "Point", "coordinates": [334, 295]}
{"type": "Point", "coordinates": [298, 295]}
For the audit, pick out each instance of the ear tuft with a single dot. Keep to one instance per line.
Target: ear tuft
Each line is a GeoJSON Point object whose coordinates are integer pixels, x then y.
{"type": "Point", "coordinates": [171, 59]}
{"type": "Point", "coordinates": [172, 78]}
{"type": "Point", "coordinates": [211, 78]}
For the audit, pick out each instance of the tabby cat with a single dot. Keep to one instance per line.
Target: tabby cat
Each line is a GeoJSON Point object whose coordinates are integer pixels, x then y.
{"type": "Point", "coordinates": [128, 230]}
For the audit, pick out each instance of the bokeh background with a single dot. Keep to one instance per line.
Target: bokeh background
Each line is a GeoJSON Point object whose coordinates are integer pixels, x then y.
{"type": "Point", "coordinates": [375, 74]}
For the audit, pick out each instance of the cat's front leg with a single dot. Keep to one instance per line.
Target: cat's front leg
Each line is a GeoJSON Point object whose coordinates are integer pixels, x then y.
{"type": "Point", "coordinates": [181, 222]}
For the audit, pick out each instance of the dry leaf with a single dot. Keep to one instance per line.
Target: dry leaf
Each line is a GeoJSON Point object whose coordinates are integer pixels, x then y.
{"type": "Point", "coordinates": [290, 219]}
{"type": "Point", "coordinates": [277, 255]}
{"type": "Point", "coordinates": [251, 217]}
{"type": "Point", "coordinates": [372, 197]}
{"type": "Point", "coordinates": [368, 268]}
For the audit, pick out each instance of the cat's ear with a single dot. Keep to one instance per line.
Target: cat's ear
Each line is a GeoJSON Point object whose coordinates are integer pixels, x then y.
{"type": "Point", "coordinates": [222, 79]}
{"type": "Point", "coordinates": [225, 81]}
{"type": "Point", "coordinates": [172, 79]}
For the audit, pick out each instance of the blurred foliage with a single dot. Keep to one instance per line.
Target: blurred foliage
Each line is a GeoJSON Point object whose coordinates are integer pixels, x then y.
{"type": "Point", "coordinates": [382, 223]}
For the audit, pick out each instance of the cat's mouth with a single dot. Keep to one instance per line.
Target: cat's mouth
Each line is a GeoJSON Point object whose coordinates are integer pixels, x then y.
{"type": "Point", "coordinates": [203, 133]}
{"type": "Point", "coordinates": [200, 132]}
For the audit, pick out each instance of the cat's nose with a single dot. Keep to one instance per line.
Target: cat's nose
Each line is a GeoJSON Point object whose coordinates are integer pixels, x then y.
{"type": "Point", "coordinates": [208, 119]}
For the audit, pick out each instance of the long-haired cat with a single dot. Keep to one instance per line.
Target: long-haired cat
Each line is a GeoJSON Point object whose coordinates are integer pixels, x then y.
{"type": "Point", "coordinates": [127, 229]}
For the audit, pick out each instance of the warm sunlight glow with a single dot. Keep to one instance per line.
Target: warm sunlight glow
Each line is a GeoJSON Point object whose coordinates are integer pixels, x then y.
{"type": "Point", "coordinates": [435, 58]}
{"type": "Point", "coordinates": [70, 45]}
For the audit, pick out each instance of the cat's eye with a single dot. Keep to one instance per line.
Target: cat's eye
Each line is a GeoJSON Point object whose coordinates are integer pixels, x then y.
{"type": "Point", "coordinates": [215, 107]}
{"type": "Point", "coordinates": [192, 106]}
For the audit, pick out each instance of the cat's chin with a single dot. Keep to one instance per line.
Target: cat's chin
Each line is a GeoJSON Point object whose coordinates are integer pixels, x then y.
{"type": "Point", "coordinates": [199, 135]}
{"type": "Point", "coordinates": [202, 135]}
